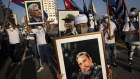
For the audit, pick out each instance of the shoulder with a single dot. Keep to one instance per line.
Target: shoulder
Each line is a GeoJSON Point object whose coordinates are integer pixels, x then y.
{"type": "Point", "coordinates": [32, 20]}
{"type": "Point", "coordinates": [80, 76]}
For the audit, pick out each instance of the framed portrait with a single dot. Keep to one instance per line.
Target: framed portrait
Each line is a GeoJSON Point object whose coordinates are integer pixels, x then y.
{"type": "Point", "coordinates": [34, 12]}
{"type": "Point", "coordinates": [68, 47]}
{"type": "Point", "coordinates": [62, 15]}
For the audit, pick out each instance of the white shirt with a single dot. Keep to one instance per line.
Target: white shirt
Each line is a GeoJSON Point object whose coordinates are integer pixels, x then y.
{"type": "Point", "coordinates": [131, 37]}
{"type": "Point", "coordinates": [13, 36]}
{"type": "Point", "coordinates": [113, 28]}
{"type": "Point", "coordinates": [92, 24]}
{"type": "Point", "coordinates": [40, 36]}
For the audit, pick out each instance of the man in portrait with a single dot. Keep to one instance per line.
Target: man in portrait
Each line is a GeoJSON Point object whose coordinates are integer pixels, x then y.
{"type": "Point", "coordinates": [35, 14]}
{"type": "Point", "coordinates": [88, 69]}
{"type": "Point", "coordinates": [69, 26]}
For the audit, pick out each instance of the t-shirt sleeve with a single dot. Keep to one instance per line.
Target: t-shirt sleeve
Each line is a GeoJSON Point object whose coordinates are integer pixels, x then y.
{"type": "Point", "coordinates": [126, 27]}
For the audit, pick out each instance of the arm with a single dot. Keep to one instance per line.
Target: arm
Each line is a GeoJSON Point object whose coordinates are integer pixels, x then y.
{"type": "Point", "coordinates": [131, 32]}
{"type": "Point", "coordinates": [28, 29]}
{"type": "Point", "coordinates": [101, 28]}
{"type": "Point", "coordinates": [105, 30]}
{"type": "Point", "coordinates": [11, 24]}
{"type": "Point", "coordinates": [48, 25]}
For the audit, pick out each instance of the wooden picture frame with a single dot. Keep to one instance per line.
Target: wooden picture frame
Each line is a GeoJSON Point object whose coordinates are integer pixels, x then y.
{"type": "Point", "coordinates": [68, 47]}
{"type": "Point", "coordinates": [61, 15]}
{"type": "Point", "coordinates": [30, 18]}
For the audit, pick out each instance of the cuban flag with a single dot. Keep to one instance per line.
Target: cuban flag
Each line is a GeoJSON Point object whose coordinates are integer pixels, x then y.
{"type": "Point", "coordinates": [111, 2]}
{"type": "Point", "coordinates": [21, 3]}
{"type": "Point", "coordinates": [71, 5]}
{"type": "Point", "coordinates": [121, 10]}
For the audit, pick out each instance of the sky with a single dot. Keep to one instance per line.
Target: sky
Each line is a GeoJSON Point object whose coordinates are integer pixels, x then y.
{"type": "Point", "coordinates": [99, 5]}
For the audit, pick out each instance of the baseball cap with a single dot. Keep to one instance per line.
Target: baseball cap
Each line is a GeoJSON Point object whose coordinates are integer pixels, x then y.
{"type": "Point", "coordinates": [90, 15]}
{"type": "Point", "coordinates": [69, 17]}
{"type": "Point", "coordinates": [105, 16]}
{"type": "Point", "coordinates": [81, 18]}
{"type": "Point", "coordinates": [132, 14]}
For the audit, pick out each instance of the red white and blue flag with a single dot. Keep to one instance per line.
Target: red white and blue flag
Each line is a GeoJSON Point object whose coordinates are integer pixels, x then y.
{"type": "Point", "coordinates": [71, 5]}
{"type": "Point", "coordinates": [21, 3]}
{"type": "Point", "coordinates": [120, 9]}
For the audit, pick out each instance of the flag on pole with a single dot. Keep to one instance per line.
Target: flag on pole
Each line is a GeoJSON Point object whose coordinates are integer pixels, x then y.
{"type": "Point", "coordinates": [91, 8]}
{"type": "Point", "coordinates": [71, 5]}
{"type": "Point", "coordinates": [21, 3]}
{"type": "Point", "coordinates": [120, 9]}
{"type": "Point", "coordinates": [85, 8]}
{"type": "Point", "coordinates": [111, 2]}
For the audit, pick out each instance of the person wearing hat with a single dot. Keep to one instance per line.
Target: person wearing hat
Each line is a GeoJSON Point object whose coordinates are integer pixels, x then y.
{"type": "Point", "coordinates": [92, 23]}
{"type": "Point", "coordinates": [131, 30]}
{"type": "Point", "coordinates": [81, 23]}
{"type": "Point", "coordinates": [109, 40]}
{"type": "Point", "coordinates": [69, 25]}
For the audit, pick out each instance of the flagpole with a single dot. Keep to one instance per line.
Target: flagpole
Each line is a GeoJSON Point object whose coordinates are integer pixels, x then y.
{"type": "Point", "coordinates": [126, 7]}
{"type": "Point", "coordinates": [108, 18]}
{"type": "Point", "coordinates": [6, 17]}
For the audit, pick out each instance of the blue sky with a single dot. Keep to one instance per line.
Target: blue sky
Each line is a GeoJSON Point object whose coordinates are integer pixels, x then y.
{"type": "Point", "coordinates": [99, 5]}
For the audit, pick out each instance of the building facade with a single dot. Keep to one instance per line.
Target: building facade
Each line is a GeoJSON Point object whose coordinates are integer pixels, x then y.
{"type": "Point", "coordinates": [50, 7]}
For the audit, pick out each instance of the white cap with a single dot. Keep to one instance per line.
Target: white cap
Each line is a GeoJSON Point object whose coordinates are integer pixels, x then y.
{"type": "Point", "coordinates": [10, 26]}
{"type": "Point", "coordinates": [81, 18]}
{"type": "Point", "coordinates": [105, 16]}
{"type": "Point", "coordinates": [90, 15]}
{"type": "Point", "coordinates": [132, 13]}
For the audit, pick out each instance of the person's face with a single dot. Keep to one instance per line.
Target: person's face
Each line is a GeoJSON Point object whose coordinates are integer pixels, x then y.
{"type": "Point", "coordinates": [36, 12]}
{"type": "Point", "coordinates": [69, 24]}
{"type": "Point", "coordinates": [90, 17]}
{"type": "Point", "coordinates": [135, 10]}
{"type": "Point", "coordinates": [85, 64]}
{"type": "Point", "coordinates": [82, 28]}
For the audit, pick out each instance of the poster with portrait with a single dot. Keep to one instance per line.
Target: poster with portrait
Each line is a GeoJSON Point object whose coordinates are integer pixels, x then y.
{"type": "Point", "coordinates": [62, 15]}
{"type": "Point", "coordinates": [34, 12]}
{"type": "Point", "coordinates": [68, 47]}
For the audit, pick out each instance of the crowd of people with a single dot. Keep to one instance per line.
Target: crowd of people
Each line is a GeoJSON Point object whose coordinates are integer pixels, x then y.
{"type": "Point", "coordinates": [35, 38]}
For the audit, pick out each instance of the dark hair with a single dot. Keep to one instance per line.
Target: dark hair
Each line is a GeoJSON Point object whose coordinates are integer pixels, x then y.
{"type": "Point", "coordinates": [132, 9]}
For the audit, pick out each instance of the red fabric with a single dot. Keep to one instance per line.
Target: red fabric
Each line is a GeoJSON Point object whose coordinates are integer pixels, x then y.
{"type": "Point", "coordinates": [17, 0]}
{"type": "Point", "coordinates": [68, 5]}
{"type": "Point", "coordinates": [111, 9]}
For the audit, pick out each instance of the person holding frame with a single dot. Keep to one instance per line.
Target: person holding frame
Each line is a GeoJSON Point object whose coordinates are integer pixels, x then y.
{"type": "Point", "coordinates": [131, 30]}
{"type": "Point", "coordinates": [81, 27]}
{"type": "Point", "coordinates": [42, 45]}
